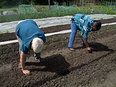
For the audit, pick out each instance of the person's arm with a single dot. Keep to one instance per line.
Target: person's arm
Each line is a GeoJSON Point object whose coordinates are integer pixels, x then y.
{"type": "Point", "coordinates": [22, 62]}
{"type": "Point", "coordinates": [86, 44]}
{"type": "Point", "coordinates": [84, 37]}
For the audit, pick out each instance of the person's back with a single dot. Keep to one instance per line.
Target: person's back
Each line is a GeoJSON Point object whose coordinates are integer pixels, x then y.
{"type": "Point", "coordinates": [28, 29]}
{"type": "Point", "coordinates": [83, 21]}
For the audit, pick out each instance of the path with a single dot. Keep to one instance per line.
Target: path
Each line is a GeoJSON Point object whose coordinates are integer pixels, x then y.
{"type": "Point", "coordinates": [47, 22]}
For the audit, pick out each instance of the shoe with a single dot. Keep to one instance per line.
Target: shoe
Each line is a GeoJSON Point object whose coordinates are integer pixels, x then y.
{"type": "Point", "coordinates": [39, 60]}
{"type": "Point", "coordinates": [37, 56]}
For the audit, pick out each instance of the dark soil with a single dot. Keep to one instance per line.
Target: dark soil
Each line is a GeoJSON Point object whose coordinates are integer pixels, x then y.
{"type": "Point", "coordinates": [59, 66]}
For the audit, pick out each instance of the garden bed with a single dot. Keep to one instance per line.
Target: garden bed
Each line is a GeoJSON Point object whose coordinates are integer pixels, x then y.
{"type": "Point", "coordinates": [61, 67]}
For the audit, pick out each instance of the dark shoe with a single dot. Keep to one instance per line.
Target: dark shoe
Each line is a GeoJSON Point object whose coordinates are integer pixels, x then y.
{"type": "Point", "coordinates": [37, 56]}
{"type": "Point", "coordinates": [38, 60]}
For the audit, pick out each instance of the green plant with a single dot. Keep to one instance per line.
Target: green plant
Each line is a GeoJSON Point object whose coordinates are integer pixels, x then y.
{"type": "Point", "coordinates": [6, 31]}
{"type": "Point", "coordinates": [1, 32]}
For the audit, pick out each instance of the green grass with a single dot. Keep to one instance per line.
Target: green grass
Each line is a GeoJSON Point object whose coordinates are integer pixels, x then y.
{"type": "Point", "coordinates": [54, 11]}
{"type": "Point", "coordinates": [1, 32]}
{"type": "Point", "coordinates": [6, 31]}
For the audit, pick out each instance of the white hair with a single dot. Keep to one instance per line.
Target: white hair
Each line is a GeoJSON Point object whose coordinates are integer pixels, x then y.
{"type": "Point", "coordinates": [37, 45]}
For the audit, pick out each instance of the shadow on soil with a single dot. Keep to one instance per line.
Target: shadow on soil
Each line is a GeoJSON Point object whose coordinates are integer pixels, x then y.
{"type": "Point", "coordinates": [55, 63]}
{"type": "Point", "coordinates": [95, 47]}
{"type": "Point", "coordinates": [99, 47]}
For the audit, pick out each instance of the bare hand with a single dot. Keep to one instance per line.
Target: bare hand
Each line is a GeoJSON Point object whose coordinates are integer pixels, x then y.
{"type": "Point", "coordinates": [26, 72]}
{"type": "Point", "coordinates": [89, 49]}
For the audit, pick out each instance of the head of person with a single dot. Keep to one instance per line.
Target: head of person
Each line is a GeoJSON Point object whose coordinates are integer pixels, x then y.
{"type": "Point", "coordinates": [96, 25]}
{"type": "Point", "coordinates": [37, 45]}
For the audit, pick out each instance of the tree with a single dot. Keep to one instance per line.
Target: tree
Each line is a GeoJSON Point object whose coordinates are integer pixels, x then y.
{"type": "Point", "coordinates": [49, 3]}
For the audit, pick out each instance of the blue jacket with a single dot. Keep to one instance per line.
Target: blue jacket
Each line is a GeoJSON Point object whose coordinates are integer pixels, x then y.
{"type": "Point", "coordinates": [27, 31]}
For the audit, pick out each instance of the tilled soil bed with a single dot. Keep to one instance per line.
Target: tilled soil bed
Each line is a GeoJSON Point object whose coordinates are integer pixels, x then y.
{"type": "Point", "coordinates": [59, 66]}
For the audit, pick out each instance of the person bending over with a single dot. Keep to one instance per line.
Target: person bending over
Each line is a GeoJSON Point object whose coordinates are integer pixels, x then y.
{"type": "Point", "coordinates": [29, 37]}
{"type": "Point", "coordinates": [85, 24]}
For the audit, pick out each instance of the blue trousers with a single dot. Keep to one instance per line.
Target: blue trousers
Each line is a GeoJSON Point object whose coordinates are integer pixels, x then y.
{"type": "Point", "coordinates": [74, 30]}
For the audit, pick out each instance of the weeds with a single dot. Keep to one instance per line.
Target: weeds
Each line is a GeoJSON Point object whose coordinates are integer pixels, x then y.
{"type": "Point", "coordinates": [1, 32]}
{"type": "Point", "coordinates": [6, 31]}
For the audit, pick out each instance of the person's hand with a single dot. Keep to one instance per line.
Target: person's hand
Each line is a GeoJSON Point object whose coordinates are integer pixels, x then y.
{"type": "Point", "coordinates": [89, 49]}
{"type": "Point", "coordinates": [26, 72]}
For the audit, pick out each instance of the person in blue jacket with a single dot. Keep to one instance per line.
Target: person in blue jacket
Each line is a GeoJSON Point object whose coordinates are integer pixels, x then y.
{"type": "Point", "coordinates": [29, 37]}
{"type": "Point", "coordinates": [85, 24]}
